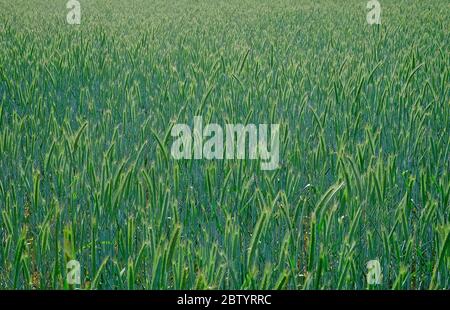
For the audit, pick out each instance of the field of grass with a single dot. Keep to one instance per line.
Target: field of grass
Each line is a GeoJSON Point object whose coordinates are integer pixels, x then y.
{"type": "Point", "coordinates": [85, 165]}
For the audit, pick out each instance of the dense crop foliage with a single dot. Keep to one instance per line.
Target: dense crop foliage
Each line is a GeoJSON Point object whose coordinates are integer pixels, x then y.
{"type": "Point", "coordinates": [85, 166]}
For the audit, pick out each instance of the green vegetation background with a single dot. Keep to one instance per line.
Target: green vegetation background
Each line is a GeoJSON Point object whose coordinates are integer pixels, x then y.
{"type": "Point", "coordinates": [85, 166]}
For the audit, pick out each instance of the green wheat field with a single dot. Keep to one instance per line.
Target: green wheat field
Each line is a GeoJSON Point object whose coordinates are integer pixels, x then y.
{"type": "Point", "coordinates": [86, 172]}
